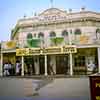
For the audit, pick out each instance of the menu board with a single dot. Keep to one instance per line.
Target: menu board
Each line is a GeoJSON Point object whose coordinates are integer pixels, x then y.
{"type": "Point", "coordinates": [95, 87]}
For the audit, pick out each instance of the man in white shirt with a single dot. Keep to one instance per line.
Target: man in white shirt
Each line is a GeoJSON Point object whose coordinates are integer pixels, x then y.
{"type": "Point", "coordinates": [17, 68]}
{"type": "Point", "coordinates": [6, 69]}
{"type": "Point", "coordinates": [91, 67]}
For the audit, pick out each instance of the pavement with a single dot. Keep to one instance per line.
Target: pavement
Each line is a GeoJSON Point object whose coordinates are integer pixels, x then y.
{"type": "Point", "coordinates": [39, 98]}
{"type": "Point", "coordinates": [58, 88]}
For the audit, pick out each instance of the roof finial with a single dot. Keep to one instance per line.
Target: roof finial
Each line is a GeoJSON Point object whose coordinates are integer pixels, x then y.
{"type": "Point", "coordinates": [51, 1]}
{"type": "Point", "coordinates": [35, 14]}
{"type": "Point", "coordinates": [83, 8]}
{"type": "Point", "coordinates": [24, 15]}
{"type": "Point", "coordinates": [70, 10]}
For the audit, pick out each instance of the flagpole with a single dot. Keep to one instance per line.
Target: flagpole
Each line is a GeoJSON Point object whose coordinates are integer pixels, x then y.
{"type": "Point", "coordinates": [51, 1]}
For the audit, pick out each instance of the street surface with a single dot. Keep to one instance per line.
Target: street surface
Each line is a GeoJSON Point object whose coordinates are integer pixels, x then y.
{"type": "Point", "coordinates": [59, 88]}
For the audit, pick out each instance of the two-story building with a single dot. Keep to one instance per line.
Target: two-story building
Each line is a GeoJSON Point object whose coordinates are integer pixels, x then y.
{"type": "Point", "coordinates": [66, 41]}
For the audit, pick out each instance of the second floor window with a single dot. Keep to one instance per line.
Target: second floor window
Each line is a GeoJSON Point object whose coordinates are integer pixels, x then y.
{"type": "Point", "coordinates": [52, 34]}
{"type": "Point", "coordinates": [98, 33]}
{"type": "Point", "coordinates": [78, 32]}
{"type": "Point", "coordinates": [41, 35]}
{"type": "Point", "coordinates": [64, 33]}
{"type": "Point", "coordinates": [29, 36]}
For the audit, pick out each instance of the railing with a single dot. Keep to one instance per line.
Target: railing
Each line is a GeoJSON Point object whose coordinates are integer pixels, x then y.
{"type": "Point", "coordinates": [33, 43]}
{"type": "Point", "coordinates": [47, 42]}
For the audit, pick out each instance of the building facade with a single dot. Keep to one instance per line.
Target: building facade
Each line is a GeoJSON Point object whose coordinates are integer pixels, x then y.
{"type": "Point", "coordinates": [69, 42]}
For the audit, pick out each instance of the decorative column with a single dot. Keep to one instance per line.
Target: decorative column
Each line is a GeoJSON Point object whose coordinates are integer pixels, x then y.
{"type": "Point", "coordinates": [71, 64]}
{"type": "Point", "coordinates": [1, 65]}
{"type": "Point", "coordinates": [36, 65]}
{"type": "Point", "coordinates": [53, 60]}
{"type": "Point", "coordinates": [22, 73]}
{"type": "Point", "coordinates": [46, 65]}
{"type": "Point", "coordinates": [70, 55]}
{"type": "Point", "coordinates": [98, 59]}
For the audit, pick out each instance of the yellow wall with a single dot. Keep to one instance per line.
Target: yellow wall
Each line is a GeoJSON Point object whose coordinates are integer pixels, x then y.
{"type": "Point", "coordinates": [9, 57]}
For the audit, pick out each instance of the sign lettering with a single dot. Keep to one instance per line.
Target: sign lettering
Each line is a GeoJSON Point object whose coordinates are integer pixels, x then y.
{"type": "Point", "coordinates": [49, 50]}
{"type": "Point", "coordinates": [97, 97]}
{"type": "Point", "coordinates": [52, 50]}
{"type": "Point", "coordinates": [97, 85]}
{"type": "Point", "coordinates": [69, 50]}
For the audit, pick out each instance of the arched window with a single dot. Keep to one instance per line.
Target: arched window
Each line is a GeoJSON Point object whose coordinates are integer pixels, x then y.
{"type": "Point", "coordinates": [34, 34]}
{"type": "Point", "coordinates": [77, 32]}
{"type": "Point", "coordinates": [52, 34]}
{"type": "Point", "coordinates": [40, 35]}
{"type": "Point", "coordinates": [98, 30]}
{"type": "Point", "coordinates": [64, 33]}
{"type": "Point", "coordinates": [98, 33]}
{"type": "Point", "coordinates": [29, 36]}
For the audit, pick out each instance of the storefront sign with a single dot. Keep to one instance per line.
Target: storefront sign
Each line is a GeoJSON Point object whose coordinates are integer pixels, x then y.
{"type": "Point", "coordinates": [84, 39]}
{"type": "Point", "coordinates": [52, 18]}
{"type": "Point", "coordinates": [34, 51]}
{"type": "Point", "coordinates": [28, 51]}
{"type": "Point", "coordinates": [52, 50]}
{"type": "Point", "coordinates": [22, 52]}
{"type": "Point", "coordinates": [95, 87]}
{"type": "Point", "coordinates": [39, 51]}
{"type": "Point", "coordinates": [53, 15]}
{"type": "Point", "coordinates": [9, 45]}
{"type": "Point", "coordinates": [69, 49]}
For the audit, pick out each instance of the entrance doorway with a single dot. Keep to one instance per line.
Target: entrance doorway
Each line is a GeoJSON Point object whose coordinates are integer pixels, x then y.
{"type": "Point", "coordinates": [62, 64]}
{"type": "Point", "coordinates": [41, 65]}
{"type": "Point", "coordinates": [29, 65]}
{"type": "Point", "coordinates": [30, 60]}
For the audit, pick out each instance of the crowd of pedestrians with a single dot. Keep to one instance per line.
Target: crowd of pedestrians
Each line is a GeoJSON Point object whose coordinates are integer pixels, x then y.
{"type": "Point", "coordinates": [14, 69]}
{"type": "Point", "coordinates": [10, 69]}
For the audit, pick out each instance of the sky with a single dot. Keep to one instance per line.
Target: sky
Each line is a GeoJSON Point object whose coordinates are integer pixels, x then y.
{"type": "Point", "coordinates": [13, 10]}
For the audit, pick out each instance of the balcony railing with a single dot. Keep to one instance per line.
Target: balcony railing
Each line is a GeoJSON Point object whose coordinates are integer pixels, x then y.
{"type": "Point", "coordinates": [47, 42]}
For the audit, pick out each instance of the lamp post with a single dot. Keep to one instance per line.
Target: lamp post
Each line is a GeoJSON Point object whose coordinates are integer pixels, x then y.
{"type": "Point", "coordinates": [1, 61]}
{"type": "Point", "coordinates": [51, 1]}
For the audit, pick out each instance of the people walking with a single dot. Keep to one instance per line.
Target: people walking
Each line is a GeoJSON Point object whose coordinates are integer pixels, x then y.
{"type": "Point", "coordinates": [18, 68]}
{"type": "Point", "coordinates": [6, 69]}
{"type": "Point", "coordinates": [51, 68]}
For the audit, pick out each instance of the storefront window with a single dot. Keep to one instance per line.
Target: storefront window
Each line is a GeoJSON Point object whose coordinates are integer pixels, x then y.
{"type": "Point", "coordinates": [79, 61]}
